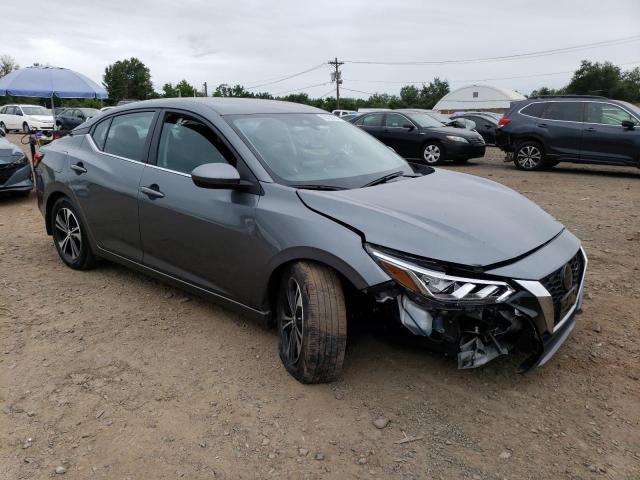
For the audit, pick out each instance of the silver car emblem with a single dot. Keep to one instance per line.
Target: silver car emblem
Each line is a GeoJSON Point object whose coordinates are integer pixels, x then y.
{"type": "Point", "coordinates": [567, 277]}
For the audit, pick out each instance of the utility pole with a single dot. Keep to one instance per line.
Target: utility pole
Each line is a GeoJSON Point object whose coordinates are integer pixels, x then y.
{"type": "Point", "coordinates": [206, 93]}
{"type": "Point", "coordinates": [336, 77]}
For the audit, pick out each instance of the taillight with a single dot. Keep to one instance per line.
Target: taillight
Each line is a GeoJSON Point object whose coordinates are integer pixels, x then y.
{"type": "Point", "coordinates": [503, 121]}
{"type": "Point", "coordinates": [37, 158]}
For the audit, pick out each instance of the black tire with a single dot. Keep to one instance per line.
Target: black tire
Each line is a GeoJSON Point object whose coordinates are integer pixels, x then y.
{"type": "Point", "coordinates": [312, 324]}
{"type": "Point", "coordinates": [70, 237]}
{"type": "Point", "coordinates": [529, 156]}
{"type": "Point", "coordinates": [25, 127]}
{"type": "Point", "coordinates": [4, 127]}
{"type": "Point", "coordinates": [433, 153]}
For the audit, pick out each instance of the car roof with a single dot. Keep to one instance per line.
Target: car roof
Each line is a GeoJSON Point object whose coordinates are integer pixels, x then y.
{"type": "Point", "coordinates": [226, 105]}
{"type": "Point", "coordinates": [22, 105]}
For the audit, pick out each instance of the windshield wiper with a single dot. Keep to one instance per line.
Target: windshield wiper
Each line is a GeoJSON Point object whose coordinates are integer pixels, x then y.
{"type": "Point", "coordinates": [384, 179]}
{"type": "Point", "coordinates": [317, 187]}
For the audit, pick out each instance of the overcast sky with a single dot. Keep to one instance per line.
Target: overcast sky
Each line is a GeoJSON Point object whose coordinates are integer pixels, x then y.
{"type": "Point", "coordinates": [252, 42]}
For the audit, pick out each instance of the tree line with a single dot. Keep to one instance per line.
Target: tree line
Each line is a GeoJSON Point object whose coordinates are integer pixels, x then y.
{"type": "Point", "coordinates": [131, 79]}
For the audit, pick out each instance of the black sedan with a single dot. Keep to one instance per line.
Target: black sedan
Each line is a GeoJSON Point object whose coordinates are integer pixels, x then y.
{"type": "Point", "coordinates": [415, 134]}
{"type": "Point", "coordinates": [70, 118]}
{"type": "Point", "coordinates": [486, 125]}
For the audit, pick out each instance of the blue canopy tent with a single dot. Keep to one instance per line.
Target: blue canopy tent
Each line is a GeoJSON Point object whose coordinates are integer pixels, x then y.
{"type": "Point", "coordinates": [49, 82]}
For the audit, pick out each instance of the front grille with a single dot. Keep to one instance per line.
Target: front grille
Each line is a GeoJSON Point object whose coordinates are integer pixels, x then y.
{"type": "Point", "coordinates": [555, 285]}
{"type": "Point", "coordinates": [6, 171]}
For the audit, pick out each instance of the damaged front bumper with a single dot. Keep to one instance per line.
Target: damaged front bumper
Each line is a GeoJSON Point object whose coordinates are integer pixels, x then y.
{"type": "Point", "coordinates": [531, 316]}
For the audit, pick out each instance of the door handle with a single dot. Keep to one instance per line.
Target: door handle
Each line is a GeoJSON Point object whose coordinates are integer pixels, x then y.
{"type": "Point", "coordinates": [542, 125]}
{"type": "Point", "coordinates": [152, 191]}
{"type": "Point", "coordinates": [590, 129]}
{"type": "Point", "coordinates": [78, 168]}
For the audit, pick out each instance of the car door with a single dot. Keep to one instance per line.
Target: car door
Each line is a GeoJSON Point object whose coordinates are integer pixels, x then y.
{"type": "Point", "coordinates": [605, 139]}
{"type": "Point", "coordinates": [485, 127]}
{"type": "Point", "coordinates": [198, 235]}
{"type": "Point", "coordinates": [13, 118]}
{"type": "Point", "coordinates": [561, 126]}
{"type": "Point", "coordinates": [373, 124]}
{"type": "Point", "coordinates": [105, 177]}
{"type": "Point", "coordinates": [398, 136]}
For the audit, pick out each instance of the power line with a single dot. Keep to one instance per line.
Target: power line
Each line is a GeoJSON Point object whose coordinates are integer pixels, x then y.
{"type": "Point", "coordinates": [302, 88]}
{"type": "Point", "coordinates": [540, 53]}
{"type": "Point", "coordinates": [286, 77]}
{"type": "Point", "coordinates": [469, 80]}
{"type": "Point", "coordinates": [357, 91]}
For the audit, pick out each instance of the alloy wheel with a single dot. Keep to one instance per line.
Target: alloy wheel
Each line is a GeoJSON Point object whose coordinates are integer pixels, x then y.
{"type": "Point", "coordinates": [67, 234]}
{"type": "Point", "coordinates": [529, 157]}
{"type": "Point", "coordinates": [292, 323]}
{"type": "Point", "coordinates": [432, 153]}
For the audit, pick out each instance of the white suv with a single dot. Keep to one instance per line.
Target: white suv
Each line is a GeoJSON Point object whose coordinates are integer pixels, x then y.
{"type": "Point", "coordinates": [25, 118]}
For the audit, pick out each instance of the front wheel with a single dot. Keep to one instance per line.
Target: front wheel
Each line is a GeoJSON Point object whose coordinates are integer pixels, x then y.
{"type": "Point", "coordinates": [4, 127]}
{"type": "Point", "coordinates": [529, 156]}
{"type": "Point", "coordinates": [312, 323]}
{"type": "Point", "coordinates": [25, 127]}
{"type": "Point", "coordinates": [433, 153]}
{"type": "Point", "coordinates": [70, 236]}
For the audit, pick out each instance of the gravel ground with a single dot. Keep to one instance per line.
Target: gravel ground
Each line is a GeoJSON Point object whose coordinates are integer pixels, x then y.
{"type": "Point", "coordinates": [109, 374]}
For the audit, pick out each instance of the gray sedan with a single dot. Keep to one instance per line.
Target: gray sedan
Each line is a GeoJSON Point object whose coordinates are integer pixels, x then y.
{"type": "Point", "coordinates": [292, 216]}
{"type": "Point", "coordinates": [15, 170]}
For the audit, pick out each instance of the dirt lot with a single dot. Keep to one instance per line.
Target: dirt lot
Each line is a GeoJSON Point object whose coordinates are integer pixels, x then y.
{"type": "Point", "coordinates": [110, 374]}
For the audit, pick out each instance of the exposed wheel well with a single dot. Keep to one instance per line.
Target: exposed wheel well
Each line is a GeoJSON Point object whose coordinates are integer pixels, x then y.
{"type": "Point", "coordinates": [350, 290]}
{"type": "Point", "coordinates": [520, 140]}
{"type": "Point", "coordinates": [51, 200]}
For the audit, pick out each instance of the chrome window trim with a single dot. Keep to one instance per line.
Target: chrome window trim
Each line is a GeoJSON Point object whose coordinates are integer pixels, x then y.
{"type": "Point", "coordinates": [97, 150]}
{"type": "Point", "coordinates": [573, 121]}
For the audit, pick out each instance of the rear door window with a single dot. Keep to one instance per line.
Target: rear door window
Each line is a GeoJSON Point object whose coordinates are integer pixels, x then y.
{"type": "Point", "coordinates": [393, 120]}
{"type": "Point", "coordinates": [566, 111]}
{"type": "Point", "coordinates": [127, 136]}
{"type": "Point", "coordinates": [533, 110]}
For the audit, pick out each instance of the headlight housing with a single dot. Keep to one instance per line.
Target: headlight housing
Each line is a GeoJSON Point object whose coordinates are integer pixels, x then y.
{"type": "Point", "coordinates": [455, 138]}
{"type": "Point", "coordinates": [439, 286]}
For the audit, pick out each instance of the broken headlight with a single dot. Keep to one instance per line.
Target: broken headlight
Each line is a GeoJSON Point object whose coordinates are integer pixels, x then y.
{"type": "Point", "coordinates": [437, 285]}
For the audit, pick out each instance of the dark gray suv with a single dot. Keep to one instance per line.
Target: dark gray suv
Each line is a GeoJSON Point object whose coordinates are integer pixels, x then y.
{"type": "Point", "coordinates": [291, 215]}
{"type": "Point", "coordinates": [541, 132]}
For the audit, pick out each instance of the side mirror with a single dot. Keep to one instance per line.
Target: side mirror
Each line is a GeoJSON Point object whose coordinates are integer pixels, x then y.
{"type": "Point", "coordinates": [628, 125]}
{"type": "Point", "coordinates": [19, 113]}
{"type": "Point", "coordinates": [216, 175]}
{"type": "Point", "coordinates": [408, 126]}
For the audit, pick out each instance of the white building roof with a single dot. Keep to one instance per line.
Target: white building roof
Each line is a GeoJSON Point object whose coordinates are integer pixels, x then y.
{"type": "Point", "coordinates": [478, 97]}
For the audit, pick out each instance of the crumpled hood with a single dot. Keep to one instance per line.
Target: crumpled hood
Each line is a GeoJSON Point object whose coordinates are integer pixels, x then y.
{"type": "Point", "coordinates": [8, 151]}
{"type": "Point", "coordinates": [447, 216]}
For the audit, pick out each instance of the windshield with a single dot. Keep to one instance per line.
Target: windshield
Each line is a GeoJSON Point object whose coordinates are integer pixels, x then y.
{"type": "Point", "coordinates": [319, 149]}
{"type": "Point", "coordinates": [90, 112]}
{"type": "Point", "coordinates": [632, 108]}
{"type": "Point", "coordinates": [36, 111]}
{"type": "Point", "coordinates": [424, 120]}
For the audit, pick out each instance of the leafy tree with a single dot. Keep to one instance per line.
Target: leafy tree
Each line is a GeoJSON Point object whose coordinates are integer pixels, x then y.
{"type": "Point", "coordinates": [434, 91]}
{"type": "Point", "coordinates": [7, 65]}
{"type": "Point", "coordinates": [182, 89]}
{"type": "Point", "coordinates": [547, 91]}
{"type": "Point", "coordinates": [596, 79]}
{"type": "Point", "coordinates": [630, 86]}
{"type": "Point", "coordinates": [129, 78]}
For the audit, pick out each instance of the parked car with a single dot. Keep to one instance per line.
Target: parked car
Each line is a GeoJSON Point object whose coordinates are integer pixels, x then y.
{"type": "Point", "coordinates": [58, 110]}
{"type": "Point", "coordinates": [350, 116]}
{"type": "Point", "coordinates": [25, 118]}
{"type": "Point", "coordinates": [445, 120]}
{"type": "Point", "coordinates": [415, 134]}
{"type": "Point", "coordinates": [70, 118]}
{"type": "Point", "coordinates": [342, 113]}
{"type": "Point", "coordinates": [540, 132]}
{"type": "Point", "coordinates": [495, 115]}
{"type": "Point", "coordinates": [485, 125]}
{"type": "Point", "coordinates": [290, 215]}
{"type": "Point", "coordinates": [15, 170]}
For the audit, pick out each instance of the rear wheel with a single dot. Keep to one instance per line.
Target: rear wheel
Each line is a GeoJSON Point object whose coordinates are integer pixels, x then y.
{"type": "Point", "coordinates": [4, 127]}
{"type": "Point", "coordinates": [70, 237]}
{"type": "Point", "coordinates": [25, 127]}
{"type": "Point", "coordinates": [529, 156]}
{"type": "Point", "coordinates": [433, 153]}
{"type": "Point", "coordinates": [312, 323]}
